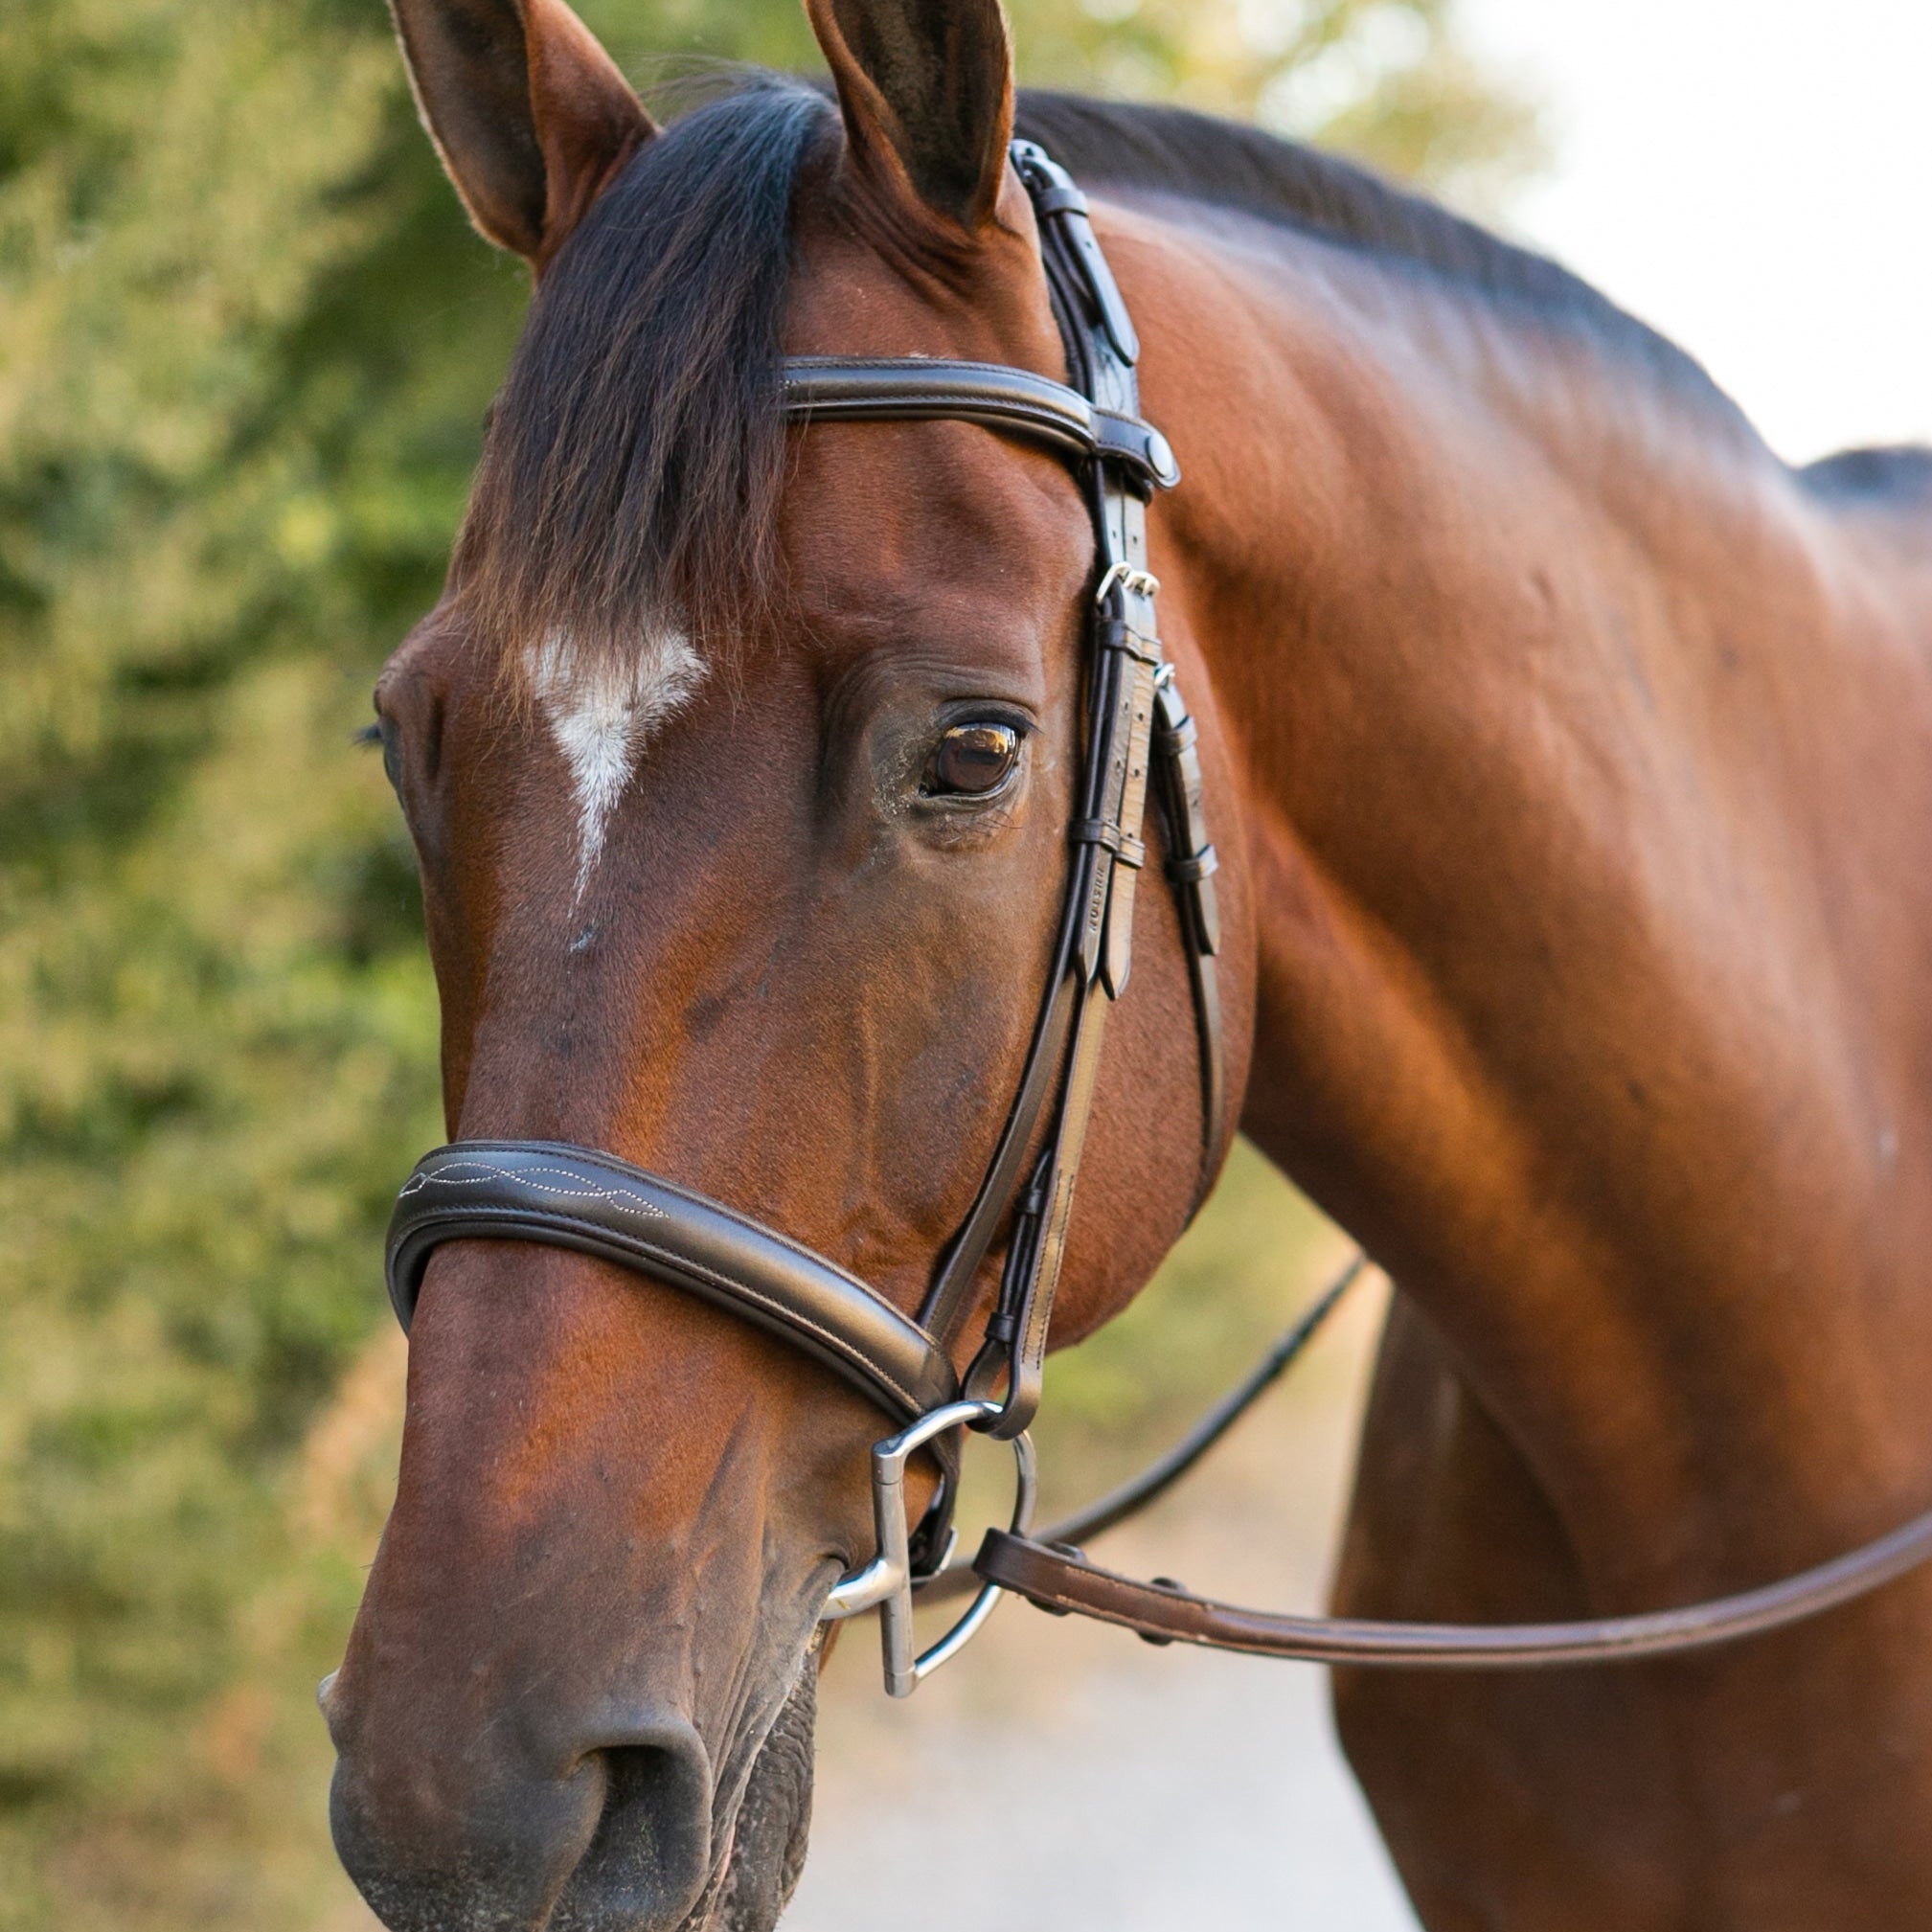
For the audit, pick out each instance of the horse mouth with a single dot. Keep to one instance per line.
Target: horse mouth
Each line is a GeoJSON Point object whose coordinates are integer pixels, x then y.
{"type": "Point", "coordinates": [762, 1854]}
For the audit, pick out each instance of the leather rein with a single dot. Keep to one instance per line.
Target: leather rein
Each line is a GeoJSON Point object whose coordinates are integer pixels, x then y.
{"type": "Point", "coordinates": [1139, 737]}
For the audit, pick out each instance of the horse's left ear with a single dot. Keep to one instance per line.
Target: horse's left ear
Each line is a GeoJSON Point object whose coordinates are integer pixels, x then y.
{"type": "Point", "coordinates": [927, 89]}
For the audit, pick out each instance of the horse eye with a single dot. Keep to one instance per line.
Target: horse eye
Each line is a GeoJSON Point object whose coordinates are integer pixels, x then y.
{"type": "Point", "coordinates": [383, 733]}
{"type": "Point", "coordinates": [972, 760]}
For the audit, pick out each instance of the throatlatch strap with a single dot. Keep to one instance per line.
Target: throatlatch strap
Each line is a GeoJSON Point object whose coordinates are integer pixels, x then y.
{"type": "Point", "coordinates": [1192, 865]}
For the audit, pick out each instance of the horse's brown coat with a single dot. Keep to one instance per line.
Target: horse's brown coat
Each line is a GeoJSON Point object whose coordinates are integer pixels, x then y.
{"type": "Point", "coordinates": [1571, 762]}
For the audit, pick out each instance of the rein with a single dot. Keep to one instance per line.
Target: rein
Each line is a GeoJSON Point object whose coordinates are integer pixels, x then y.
{"type": "Point", "coordinates": [1139, 737]}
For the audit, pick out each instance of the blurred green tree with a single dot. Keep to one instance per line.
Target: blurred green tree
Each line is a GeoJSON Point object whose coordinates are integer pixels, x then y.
{"type": "Point", "coordinates": [245, 343]}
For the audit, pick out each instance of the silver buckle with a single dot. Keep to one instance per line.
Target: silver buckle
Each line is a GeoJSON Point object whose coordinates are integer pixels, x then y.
{"type": "Point", "coordinates": [887, 1579]}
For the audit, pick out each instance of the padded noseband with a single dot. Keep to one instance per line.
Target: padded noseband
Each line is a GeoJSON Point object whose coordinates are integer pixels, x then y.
{"type": "Point", "coordinates": [574, 1197]}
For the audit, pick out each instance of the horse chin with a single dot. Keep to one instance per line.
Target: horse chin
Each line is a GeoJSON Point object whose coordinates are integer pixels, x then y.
{"type": "Point", "coordinates": [766, 1853]}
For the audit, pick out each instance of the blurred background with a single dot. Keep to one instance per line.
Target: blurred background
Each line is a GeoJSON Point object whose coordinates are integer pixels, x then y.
{"type": "Point", "coordinates": [246, 345]}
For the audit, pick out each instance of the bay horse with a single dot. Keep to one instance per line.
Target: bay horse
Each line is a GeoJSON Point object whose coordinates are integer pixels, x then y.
{"type": "Point", "coordinates": [1573, 761]}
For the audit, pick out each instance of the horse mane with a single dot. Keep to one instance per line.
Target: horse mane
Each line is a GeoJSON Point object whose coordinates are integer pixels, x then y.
{"type": "Point", "coordinates": [1174, 150]}
{"type": "Point", "coordinates": [633, 469]}
{"type": "Point", "coordinates": [1901, 473]}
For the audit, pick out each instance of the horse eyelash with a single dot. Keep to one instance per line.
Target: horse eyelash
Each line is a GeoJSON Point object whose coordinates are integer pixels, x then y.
{"type": "Point", "coordinates": [370, 734]}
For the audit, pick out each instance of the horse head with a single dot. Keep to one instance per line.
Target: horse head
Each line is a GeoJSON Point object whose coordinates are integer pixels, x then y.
{"type": "Point", "coordinates": [739, 761]}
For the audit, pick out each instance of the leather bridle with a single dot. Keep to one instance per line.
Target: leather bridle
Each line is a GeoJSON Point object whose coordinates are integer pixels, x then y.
{"type": "Point", "coordinates": [1138, 735]}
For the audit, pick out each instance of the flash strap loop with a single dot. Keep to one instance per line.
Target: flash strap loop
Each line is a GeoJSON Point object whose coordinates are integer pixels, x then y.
{"type": "Point", "coordinates": [1113, 838]}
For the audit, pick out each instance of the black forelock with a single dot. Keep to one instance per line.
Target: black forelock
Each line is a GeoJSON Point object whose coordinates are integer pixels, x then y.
{"type": "Point", "coordinates": [633, 469]}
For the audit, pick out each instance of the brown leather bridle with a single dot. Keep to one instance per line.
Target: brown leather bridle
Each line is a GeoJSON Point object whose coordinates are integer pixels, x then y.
{"type": "Point", "coordinates": [1138, 735]}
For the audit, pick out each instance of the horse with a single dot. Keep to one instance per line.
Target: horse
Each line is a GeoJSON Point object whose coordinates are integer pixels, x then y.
{"type": "Point", "coordinates": [1571, 758]}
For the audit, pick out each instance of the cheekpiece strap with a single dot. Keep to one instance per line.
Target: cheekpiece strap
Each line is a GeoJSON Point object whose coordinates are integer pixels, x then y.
{"type": "Point", "coordinates": [1138, 741]}
{"type": "Point", "coordinates": [1127, 675]}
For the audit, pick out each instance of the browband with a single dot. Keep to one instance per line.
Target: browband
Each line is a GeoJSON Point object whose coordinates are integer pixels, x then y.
{"type": "Point", "coordinates": [915, 389]}
{"type": "Point", "coordinates": [572, 1197]}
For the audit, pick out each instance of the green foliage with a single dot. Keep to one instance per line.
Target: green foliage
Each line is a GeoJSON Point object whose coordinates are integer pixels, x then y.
{"type": "Point", "coordinates": [246, 342]}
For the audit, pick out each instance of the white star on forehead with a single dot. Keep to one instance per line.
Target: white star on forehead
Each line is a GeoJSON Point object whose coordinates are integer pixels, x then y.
{"type": "Point", "coordinates": [602, 714]}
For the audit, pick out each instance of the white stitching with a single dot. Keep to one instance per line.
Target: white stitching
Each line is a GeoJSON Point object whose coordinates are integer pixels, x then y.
{"type": "Point", "coordinates": [444, 1179]}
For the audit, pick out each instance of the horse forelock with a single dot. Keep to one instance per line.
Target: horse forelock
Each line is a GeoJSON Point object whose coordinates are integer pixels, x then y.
{"type": "Point", "coordinates": [630, 476]}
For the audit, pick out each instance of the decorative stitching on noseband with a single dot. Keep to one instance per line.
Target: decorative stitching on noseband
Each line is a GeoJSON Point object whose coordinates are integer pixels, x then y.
{"type": "Point", "coordinates": [522, 1177]}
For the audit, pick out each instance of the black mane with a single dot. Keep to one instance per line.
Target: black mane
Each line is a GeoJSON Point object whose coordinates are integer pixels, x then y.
{"type": "Point", "coordinates": [633, 466]}
{"type": "Point", "coordinates": [1900, 474]}
{"type": "Point", "coordinates": [1176, 151]}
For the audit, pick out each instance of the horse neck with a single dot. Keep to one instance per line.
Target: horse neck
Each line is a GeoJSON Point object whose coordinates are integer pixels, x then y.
{"type": "Point", "coordinates": [1581, 755]}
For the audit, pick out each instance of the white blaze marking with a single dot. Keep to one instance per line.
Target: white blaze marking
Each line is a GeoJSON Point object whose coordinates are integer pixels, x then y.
{"type": "Point", "coordinates": [601, 715]}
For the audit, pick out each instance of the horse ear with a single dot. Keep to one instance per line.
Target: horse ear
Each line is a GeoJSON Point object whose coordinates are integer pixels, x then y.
{"type": "Point", "coordinates": [529, 114]}
{"type": "Point", "coordinates": [927, 89]}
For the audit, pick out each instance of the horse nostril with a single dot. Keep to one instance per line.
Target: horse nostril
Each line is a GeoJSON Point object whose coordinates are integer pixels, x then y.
{"type": "Point", "coordinates": [437, 1836]}
{"type": "Point", "coordinates": [650, 1855]}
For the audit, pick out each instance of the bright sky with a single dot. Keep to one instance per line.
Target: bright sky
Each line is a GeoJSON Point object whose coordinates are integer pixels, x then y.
{"type": "Point", "coordinates": [1754, 178]}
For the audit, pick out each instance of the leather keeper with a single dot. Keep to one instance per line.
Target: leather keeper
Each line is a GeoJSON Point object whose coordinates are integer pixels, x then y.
{"type": "Point", "coordinates": [1116, 633]}
{"type": "Point", "coordinates": [1126, 849]}
{"type": "Point", "coordinates": [1193, 869]}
